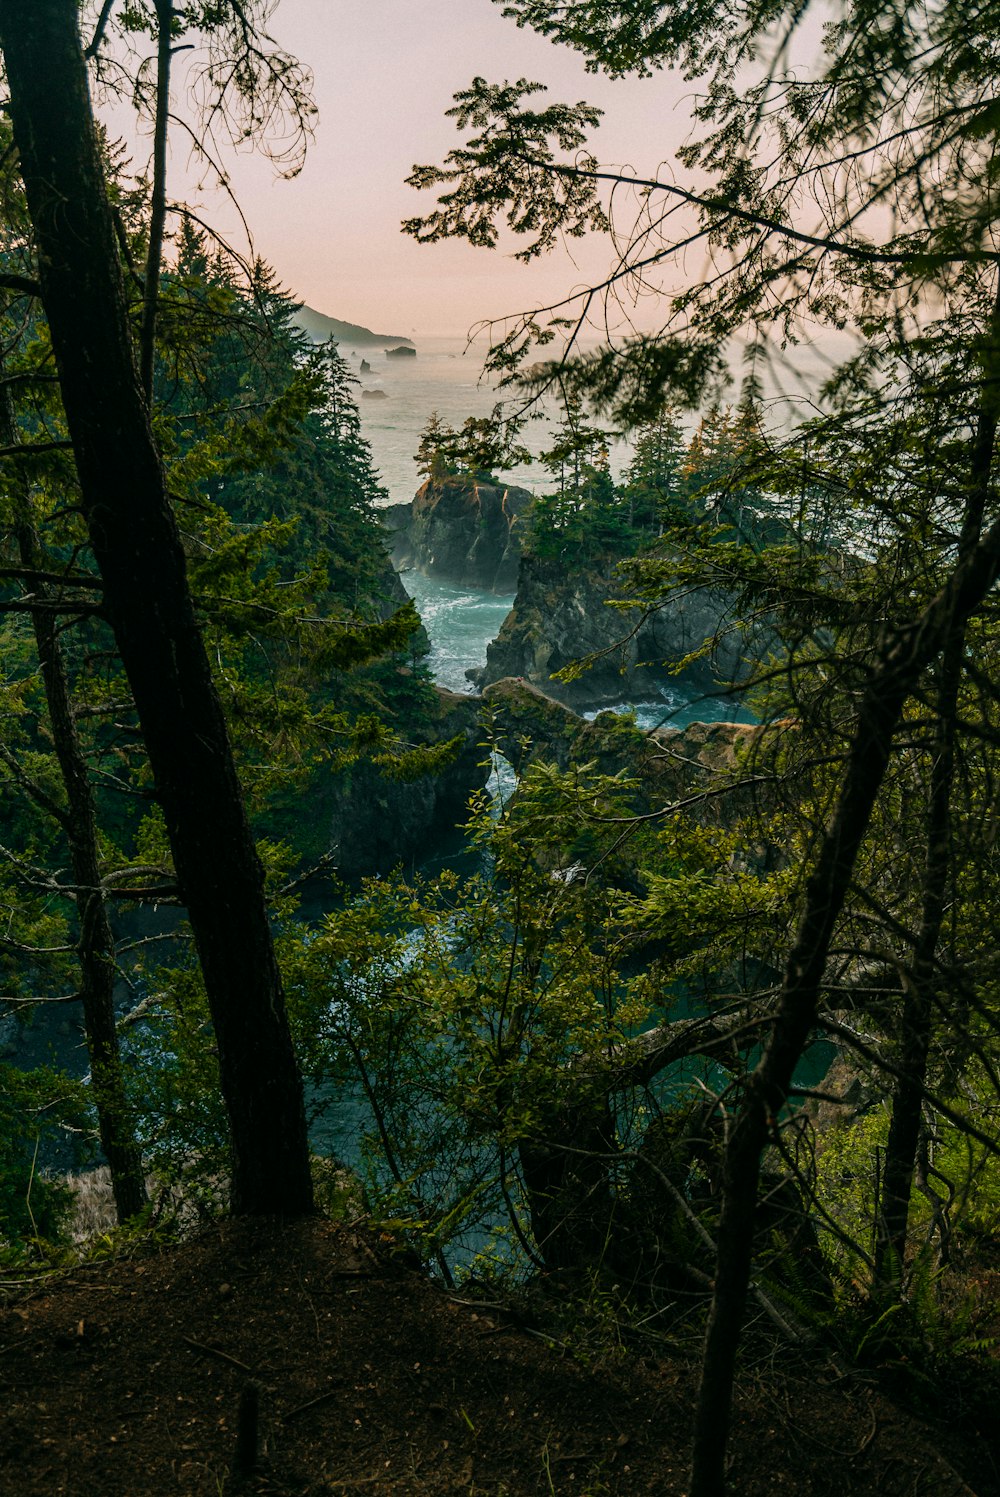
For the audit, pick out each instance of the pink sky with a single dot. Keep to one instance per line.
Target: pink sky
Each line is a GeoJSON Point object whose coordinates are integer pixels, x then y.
{"type": "Point", "coordinates": [385, 73]}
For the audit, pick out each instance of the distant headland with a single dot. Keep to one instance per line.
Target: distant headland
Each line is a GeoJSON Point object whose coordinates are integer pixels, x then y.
{"type": "Point", "coordinates": [320, 327]}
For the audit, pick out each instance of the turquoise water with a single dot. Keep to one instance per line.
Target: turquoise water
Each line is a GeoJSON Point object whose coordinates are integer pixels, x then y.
{"type": "Point", "coordinates": [677, 706]}
{"type": "Point", "coordinates": [460, 622]}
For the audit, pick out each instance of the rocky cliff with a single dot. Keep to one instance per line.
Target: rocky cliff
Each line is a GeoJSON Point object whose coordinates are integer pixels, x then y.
{"type": "Point", "coordinates": [669, 764]}
{"type": "Point", "coordinates": [560, 616]}
{"type": "Point", "coordinates": [375, 824]}
{"type": "Point", "coordinates": [462, 529]}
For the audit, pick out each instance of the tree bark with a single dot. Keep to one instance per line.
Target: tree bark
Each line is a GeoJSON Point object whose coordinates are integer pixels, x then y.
{"type": "Point", "coordinates": [96, 946]}
{"type": "Point", "coordinates": [916, 1020]}
{"type": "Point", "coordinates": [918, 997]}
{"type": "Point", "coordinates": [158, 204]}
{"type": "Point", "coordinates": [138, 550]}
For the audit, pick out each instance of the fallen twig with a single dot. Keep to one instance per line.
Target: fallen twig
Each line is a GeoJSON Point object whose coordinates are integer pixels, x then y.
{"type": "Point", "coordinates": [215, 1351]}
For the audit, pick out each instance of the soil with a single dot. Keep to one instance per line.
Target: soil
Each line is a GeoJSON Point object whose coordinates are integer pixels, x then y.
{"type": "Point", "coordinates": [126, 1378]}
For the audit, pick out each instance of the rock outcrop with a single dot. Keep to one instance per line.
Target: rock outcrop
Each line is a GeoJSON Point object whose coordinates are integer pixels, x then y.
{"type": "Point", "coordinates": [668, 764]}
{"type": "Point", "coordinates": [462, 529]}
{"type": "Point", "coordinates": [561, 616]}
{"type": "Point", "coordinates": [375, 824]}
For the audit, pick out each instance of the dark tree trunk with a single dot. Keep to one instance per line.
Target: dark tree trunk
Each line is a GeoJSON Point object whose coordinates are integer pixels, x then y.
{"type": "Point", "coordinates": [916, 1024]}
{"type": "Point", "coordinates": [138, 550]}
{"type": "Point", "coordinates": [158, 206]}
{"type": "Point", "coordinates": [918, 999]}
{"type": "Point", "coordinates": [96, 947]}
{"type": "Point", "coordinates": [767, 1087]}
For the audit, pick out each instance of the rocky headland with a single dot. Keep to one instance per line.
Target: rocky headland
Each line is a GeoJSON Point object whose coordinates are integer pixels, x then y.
{"type": "Point", "coordinates": [320, 327]}
{"type": "Point", "coordinates": [464, 530]}
{"type": "Point", "coordinates": [562, 615]}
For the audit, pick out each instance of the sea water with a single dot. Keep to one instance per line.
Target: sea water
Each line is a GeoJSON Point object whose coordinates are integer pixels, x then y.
{"type": "Point", "coordinates": [445, 376]}
{"type": "Point", "coordinates": [461, 621]}
{"type": "Point", "coordinates": [398, 396]}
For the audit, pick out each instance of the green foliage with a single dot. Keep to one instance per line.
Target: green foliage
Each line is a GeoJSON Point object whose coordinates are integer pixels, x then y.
{"type": "Point", "coordinates": [514, 152]}
{"type": "Point", "coordinates": [714, 495]}
{"type": "Point", "coordinates": [435, 455]}
{"type": "Point", "coordinates": [181, 1120]}
{"type": "Point", "coordinates": [484, 444]}
{"type": "Point", "coordinates": [36, 1108]}
{"type": "Point", "coordinates": [581, 518]}
{"type": "Point", "coordinates": [462, 1017]}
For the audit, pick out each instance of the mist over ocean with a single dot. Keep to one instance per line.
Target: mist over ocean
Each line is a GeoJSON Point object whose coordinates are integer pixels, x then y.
{"type": "Point", "coordinates": [443, 377]}
{"type": "Point", "coordinates": [460, 621]}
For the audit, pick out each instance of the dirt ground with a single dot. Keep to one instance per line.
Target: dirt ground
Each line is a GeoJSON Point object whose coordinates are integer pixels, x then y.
{"type": "Point", "coordinates": [126, 1379]}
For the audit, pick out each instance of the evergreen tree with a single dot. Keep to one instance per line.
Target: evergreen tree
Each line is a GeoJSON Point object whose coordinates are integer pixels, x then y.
{"type": "Point", "coordinates": [653, 483]}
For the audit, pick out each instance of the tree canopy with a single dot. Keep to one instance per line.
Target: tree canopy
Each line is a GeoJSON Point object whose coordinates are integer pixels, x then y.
{"type": "Point", "coordinates": [841, 184]}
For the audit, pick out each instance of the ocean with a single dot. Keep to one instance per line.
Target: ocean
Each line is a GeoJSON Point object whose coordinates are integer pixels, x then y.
{"type": "Point", "coordinates": [446, 377]}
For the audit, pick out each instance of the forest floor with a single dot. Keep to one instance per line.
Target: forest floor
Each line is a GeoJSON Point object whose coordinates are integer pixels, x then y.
{"type": "Point", "coordinates": [125, 1377]}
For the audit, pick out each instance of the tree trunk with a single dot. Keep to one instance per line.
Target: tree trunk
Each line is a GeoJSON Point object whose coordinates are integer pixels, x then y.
{"type": "Point", "coordinates": [96, 947]}
{"type": "Point", "coordinates": [138, 550]}
{"type": "Point", "coordinates": [158, 204]}
{"type": "Point", "coordinates": [918, 1000]}
{"type": "Point", "coordinates": [916, 1023]}
{"type": "Point", "coordinates": [767, 1087]}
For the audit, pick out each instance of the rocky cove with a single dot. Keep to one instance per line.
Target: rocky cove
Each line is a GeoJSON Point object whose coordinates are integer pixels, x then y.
{"type": "Point", "coordinates": [499, 623]}
{"type": "Point", "coordinates": [471, 534]}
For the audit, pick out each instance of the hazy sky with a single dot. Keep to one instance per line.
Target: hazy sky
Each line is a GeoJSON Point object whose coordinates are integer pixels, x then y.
{"type": "Point", "coordinates": [385, 73]}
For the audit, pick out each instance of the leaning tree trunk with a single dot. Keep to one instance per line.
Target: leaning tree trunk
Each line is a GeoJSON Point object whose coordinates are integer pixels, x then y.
{"type": "Point", "coordinates": [95, 946]}
{"type": "Point", "coordinates": [138, 550]}
{"type": "Point", "coordinates": [918, 998]}
{"type": "Point", "coordinates": [895, 674]}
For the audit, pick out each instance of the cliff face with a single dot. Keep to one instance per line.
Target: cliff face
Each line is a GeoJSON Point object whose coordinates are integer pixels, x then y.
{"type": "Point", "coordinates": [560, 616]}
{"type": "Point", "coordinates": [376, 824]}
{"type": "Point", "coordinates": [461, 529]}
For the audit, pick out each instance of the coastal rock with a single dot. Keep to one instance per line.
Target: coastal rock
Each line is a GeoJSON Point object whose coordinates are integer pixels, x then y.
{"type": "Point", "coordinates": [668, 764]}
{"type": "Point", "coordinates": [560, 616]}
{"type": "Point", "coordinates": [402, 352]}
{"type": "Point", "coordinates": [375, 824]}
{"type": "Point", "coordinates": [464, 529]}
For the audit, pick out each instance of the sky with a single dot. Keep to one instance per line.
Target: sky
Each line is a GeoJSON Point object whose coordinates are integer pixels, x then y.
{"type": "Point", "coordinates": [385, 73]}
